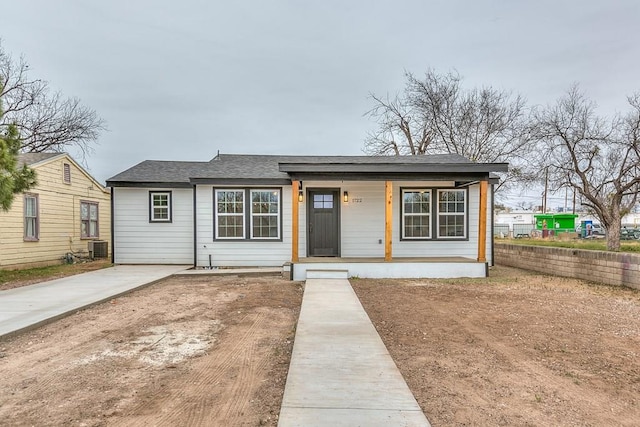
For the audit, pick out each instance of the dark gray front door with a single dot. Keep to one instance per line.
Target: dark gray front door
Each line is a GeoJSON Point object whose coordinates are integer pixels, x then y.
{"type": "Point", "coordinates": [324, 223]}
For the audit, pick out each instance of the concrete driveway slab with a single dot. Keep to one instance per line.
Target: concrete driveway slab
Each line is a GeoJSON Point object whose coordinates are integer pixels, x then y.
{"type": "Point", "coordinates": [30, 306]}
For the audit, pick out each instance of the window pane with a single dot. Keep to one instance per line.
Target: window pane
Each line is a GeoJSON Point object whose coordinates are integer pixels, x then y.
{"type": "Point", "coordinates": [323, 201]}
{"type": "Point", "coordinates": [452, 225]}
{"type": "Point", "coordinates": [230, 201]}
{"type": "Point", "coordinates": [161, 200]}
{"type": "Point", "coordinates": [417, 202]}
{"type": "Point", "coordinates": [160, 213]}
{"type": "Point", "coordinates": [93, 212]}
{"type": "Point", "coordinates": [93, 229]}
{"type": "Point", "coordinates": [30, 225]}
{"type": "Point", "coordinates": [416, 226]}
{"type": "Point", "coordinates": [264, 202]}
{"type": "Point", "coordinates": [230, 226]}
{"type": "Point", "coordinates": [451, 201]}
{"type": "Point", "coordinates": [30, 206]}
{"type": "Point", "coordinates": [265, 226]}
{"type": "Point", "coordinates": [84, 211]}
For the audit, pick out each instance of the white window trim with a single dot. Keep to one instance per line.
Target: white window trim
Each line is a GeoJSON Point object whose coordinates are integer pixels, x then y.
{"type": "Point", "coordinates": [463, 214]}
{"type": "Point", "coordinates": [404, 214]}
{"type": "Point", "coordinates": [241, 215]}
{"type": "Point", "coordinates": [152, 207]}
{"type": "Point", "coordinates": [277, 214]}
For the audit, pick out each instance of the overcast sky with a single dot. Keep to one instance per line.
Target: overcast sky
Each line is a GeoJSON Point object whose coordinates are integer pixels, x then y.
{"type": "Point", "coordinates": [180, 80]}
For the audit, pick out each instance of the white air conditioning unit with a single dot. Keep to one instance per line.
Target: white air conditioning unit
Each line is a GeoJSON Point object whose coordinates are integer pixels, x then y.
{"type": "Point", "coordinates": [98, 249]}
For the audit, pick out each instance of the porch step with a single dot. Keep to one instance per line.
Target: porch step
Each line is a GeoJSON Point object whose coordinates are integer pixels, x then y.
{"type": "Point", "coordinates": [327, 274]}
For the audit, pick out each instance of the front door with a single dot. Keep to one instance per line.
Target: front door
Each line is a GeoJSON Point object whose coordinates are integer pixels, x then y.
{"type": "Point", "coordinates": [323, 223]}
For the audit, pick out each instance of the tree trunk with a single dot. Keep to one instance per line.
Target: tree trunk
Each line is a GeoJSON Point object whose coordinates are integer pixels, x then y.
{"type": "Point", "coordinates": [613, 231]}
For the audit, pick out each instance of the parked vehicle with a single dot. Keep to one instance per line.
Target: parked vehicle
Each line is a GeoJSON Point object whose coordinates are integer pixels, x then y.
{"type": "Point", "coordinates": [596, 231]}
{"type": "Point", "coordinates": [629, 234]}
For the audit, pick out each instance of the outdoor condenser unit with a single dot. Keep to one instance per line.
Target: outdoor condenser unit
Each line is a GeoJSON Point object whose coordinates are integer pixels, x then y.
{"type": "Point", "coordinates": [98, 249]}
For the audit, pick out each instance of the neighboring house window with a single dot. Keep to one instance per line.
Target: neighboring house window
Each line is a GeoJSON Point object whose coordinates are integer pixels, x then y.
{"type": "Point", "coordinates": [416, 214]}
{"type": "Point", "coordinates": [88, 220]}
{"type": "Point", "coordinates": [452, 215]}
{"type": "Point", "coordinates": [66, 174]}
{"type": "Point", "coordinates": [230, 214]}
{"type": "Point", "coordinates": [248, 214]}
{"type": "Point", "coordinates": [31, 218]}
{"type": "Point", "coordinates": [160, 206]}
{"type": "Point", "coordinates": [265, 214]}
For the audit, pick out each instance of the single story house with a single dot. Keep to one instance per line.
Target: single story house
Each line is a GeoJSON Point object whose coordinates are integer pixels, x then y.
{"type": "Point", "coordinates": [68, 211]}
{"type": "Point", "coordinates": [384, 216]}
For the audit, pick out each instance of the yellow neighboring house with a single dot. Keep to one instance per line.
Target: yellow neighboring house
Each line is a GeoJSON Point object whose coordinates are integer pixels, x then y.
{"type": "Point", "coordinates": [62, 214]}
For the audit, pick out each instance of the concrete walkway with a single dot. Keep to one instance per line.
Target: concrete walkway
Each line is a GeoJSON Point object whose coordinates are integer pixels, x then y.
{"type": "Point", "coordinates": [341, 373]}
{"type": "Point", "coordinates": [31, 306]}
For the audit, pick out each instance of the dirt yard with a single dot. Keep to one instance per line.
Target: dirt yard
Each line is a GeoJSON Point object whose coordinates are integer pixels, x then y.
{"type": "Point", "coordinates": [515, 349]}
{"type": "Point", "coordinates": [186, 351]}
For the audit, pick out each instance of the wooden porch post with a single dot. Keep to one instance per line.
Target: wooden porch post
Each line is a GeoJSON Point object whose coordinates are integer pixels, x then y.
{"type": "Point", "coordinates": [482, 223]}
{"type": "Point", "coordinates": [295, 208]}
{"type": "Point", "coordinates": [388, 220]}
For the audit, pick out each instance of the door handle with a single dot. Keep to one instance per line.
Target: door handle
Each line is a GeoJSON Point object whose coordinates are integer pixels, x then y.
{"type": "Point", "coordinates": [310, 227]}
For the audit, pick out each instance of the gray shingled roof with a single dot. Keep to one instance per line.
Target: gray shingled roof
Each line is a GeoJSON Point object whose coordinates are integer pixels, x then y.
{"type": "Point", "coordinates": [159, 171]}
{"type": "Point", "coordinates": [31, 158]}
{"type": "Point", "coordinates": [274, 167]}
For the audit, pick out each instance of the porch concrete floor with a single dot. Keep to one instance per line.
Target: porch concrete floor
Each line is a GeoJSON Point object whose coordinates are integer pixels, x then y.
{"type": "Point", "coordinates": [338, 260]}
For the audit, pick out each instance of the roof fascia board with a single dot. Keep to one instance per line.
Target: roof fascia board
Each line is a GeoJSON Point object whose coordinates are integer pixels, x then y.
{"type": "Point", "coordinates": [388, 176]}
{"type": "Point", "coordinates": [394, 168]}
{"type": "Point", "coordinates": [149, 184]}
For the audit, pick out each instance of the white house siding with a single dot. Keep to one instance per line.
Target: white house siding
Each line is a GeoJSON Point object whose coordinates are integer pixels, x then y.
{"type": "Point", "coordinates": [363, 223]}
{"type": "Point", "coordinates": [138, 241]}
{"type": "Point", "coordinates": [244, 253]}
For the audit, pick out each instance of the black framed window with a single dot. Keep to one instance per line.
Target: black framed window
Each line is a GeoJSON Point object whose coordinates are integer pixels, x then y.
{"type": "Point", "coordinates": [160, 206]}
{"type": "Point", "coordinates": [265, 214]}
{"type": "Point", "coordinates": [416, 214]}
{"type": "Point", "coordinates": [434, 213]}
{"type": "Point", "coordinates": [452, 213]}
{"type": "Point", "coordinates": [248, 213]}
{"type": "Point", "coordinates": [229, 214]}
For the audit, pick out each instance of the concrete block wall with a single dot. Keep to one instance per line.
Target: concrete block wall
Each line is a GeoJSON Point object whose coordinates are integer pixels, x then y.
{"type": "Point", "coordinates": [612, 268]}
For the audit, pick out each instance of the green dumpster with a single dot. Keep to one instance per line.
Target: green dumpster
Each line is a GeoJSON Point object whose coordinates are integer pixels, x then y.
{"type": "Point", "coordinates": [556, 223]}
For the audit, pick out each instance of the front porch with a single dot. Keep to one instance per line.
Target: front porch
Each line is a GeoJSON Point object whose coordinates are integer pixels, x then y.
{"type": "Point", "coordinates": [409, 267]}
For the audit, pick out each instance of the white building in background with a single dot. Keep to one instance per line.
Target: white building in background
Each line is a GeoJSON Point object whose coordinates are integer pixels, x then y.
{"type": "Point", "coordinates": [523, 218]}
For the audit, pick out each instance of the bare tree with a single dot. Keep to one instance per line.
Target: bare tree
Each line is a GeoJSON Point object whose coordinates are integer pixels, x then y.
{"type": "Point", "coordinates": [436, 115]}
{"type": "Point", "coordinates": [596, 156]}
{"type": "Point", "coordinates": [45, 121]}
